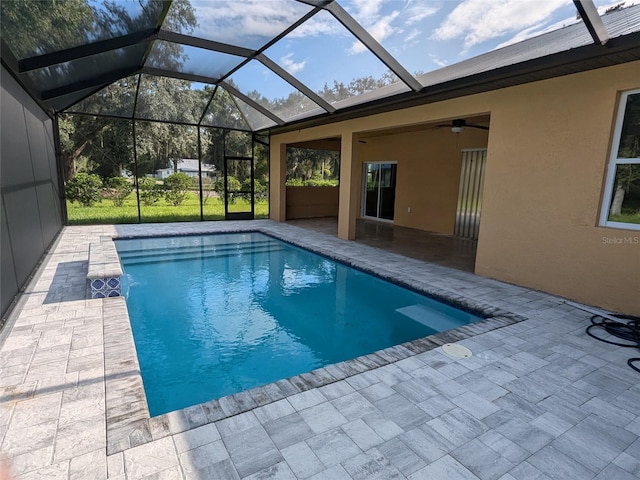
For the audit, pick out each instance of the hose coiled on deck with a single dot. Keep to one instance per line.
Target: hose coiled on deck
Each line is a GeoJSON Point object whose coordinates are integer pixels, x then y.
{"type": "Point", "coordinates": [627, 329]}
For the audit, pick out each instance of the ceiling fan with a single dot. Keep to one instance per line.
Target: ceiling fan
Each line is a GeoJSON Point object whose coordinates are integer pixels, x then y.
{"type": "Point", "coordinates": [457, 125]}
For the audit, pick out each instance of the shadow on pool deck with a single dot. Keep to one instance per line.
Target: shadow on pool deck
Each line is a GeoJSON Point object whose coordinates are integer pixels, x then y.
{"type": "Point", "coordinates": [446, 250]}
{"type": "Point", "coordinates": [69, 283]}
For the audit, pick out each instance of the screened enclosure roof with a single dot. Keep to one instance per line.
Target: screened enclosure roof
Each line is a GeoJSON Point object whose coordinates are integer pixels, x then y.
{"type": "Point", "coordinates": [273, 64]}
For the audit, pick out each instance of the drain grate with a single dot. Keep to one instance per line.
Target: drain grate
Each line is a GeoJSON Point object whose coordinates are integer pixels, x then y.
{"type": "Point", "coordinates": [456, 350]}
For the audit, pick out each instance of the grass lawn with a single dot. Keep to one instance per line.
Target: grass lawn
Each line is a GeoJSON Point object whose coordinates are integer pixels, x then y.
{"type": "Point", "coordinates": [106, 212]}
{"type": "Point", "coordinates": [625, 218]}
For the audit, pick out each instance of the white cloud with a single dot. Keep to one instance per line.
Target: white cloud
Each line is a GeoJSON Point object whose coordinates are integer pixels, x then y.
{"type": "Point", "coordinates": [537, 30]}
{"type": "Point", "coordinates": [230, 21]}
{"type": "Point", "coordinates": [476, 21]}
{"type": "Point", "coordinates": [413, 34]}
{"type": "Point", "coordinates": [319, 24]}
{"type": "Point", "coordinates": [380, 30]}
{"type": "Point", "coordinates": [367, 11]}
{"type": "Point", "coordinates": [290, 65]}
{"type": "Point", "coordinates": [416, 13]}
{"type": "Point", "coordinates": [440, 62]}
{"type": "Point", "coordinates": [541, 29]}
{"type": "Point", "coordinates": [603, 8]}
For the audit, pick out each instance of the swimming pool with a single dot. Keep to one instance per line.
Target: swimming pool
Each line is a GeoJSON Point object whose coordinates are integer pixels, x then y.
{"type": "Point", "coordinates": [217, 314]}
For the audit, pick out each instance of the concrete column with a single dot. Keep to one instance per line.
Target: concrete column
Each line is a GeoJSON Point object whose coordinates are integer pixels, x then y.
{"type": "Point", "coordinates": [349, 187]}
{"type": "Point", "coordinates": [277, 182]}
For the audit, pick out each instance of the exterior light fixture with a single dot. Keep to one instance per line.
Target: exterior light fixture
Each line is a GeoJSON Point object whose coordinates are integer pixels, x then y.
{"type": "Point", "coordinates": [457, 129]}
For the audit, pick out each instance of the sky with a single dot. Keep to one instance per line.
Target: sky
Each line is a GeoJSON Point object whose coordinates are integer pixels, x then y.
{"type": "Point", "coordinates": [423, 35]}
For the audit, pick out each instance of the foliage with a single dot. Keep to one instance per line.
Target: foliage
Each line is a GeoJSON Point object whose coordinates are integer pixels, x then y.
{"type": "Point", "coordinates": [304, 164]}
{"type": "Point", "coordinates": [84, 188]}
{"type": "Point", "coordinates": [233, 185]}
{"type": "Point", "coordinates": [176, 187]}
{"type": "Point", "coordinates": [57, 23]}
{"type": "Point", "coordinates": [246, 188]}
{"type": "Point", "coordinates": [628, 177]}
{"type": "Point", "coordinates": [117, 190]}
{"type": "Point", "coordinates": [208, 189]}
{"type": "Point", "coordinates": [625, 218]}
{"type": "Point", "coordinates": [105, 143]}
{"type": "Point", "coordinates": [298, 182]}
{"type": "Point", "coordinates": [105, 212]}
{"type": "Point", "coordinates": [358, 86]}
{"type": "Point", "coordinates": [261, 190]}
{"type": "Point", "coordinates": [150, 190]}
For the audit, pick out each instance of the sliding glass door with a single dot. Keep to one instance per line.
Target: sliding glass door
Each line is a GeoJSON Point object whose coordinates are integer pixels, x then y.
{"type": "Point", "coordinates": [379, 190]}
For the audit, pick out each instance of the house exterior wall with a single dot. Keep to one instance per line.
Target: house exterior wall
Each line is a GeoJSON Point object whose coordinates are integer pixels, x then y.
{"type": "Point", "coordinates": [548, 150]}
{"type": "Point", "coordinates": [309, 202]}
{"type": "Point", "coordinates": [31, 206]}
{"type": "Point", "coordinates": [547, 162]}
{"type": "Point", "coordinates": [428, 173]}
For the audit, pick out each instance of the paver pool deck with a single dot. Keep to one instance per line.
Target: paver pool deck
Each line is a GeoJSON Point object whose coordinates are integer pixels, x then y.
{"type": "Point", "coordinates": [539, 399]}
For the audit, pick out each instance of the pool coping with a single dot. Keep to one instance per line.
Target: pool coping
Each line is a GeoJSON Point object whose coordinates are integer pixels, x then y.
{"type": "Point", "coordinates": [128, 423]}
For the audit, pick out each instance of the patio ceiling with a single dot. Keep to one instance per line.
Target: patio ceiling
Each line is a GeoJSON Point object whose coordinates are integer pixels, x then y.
{"type": "Point", "coordinates": [276, 64]}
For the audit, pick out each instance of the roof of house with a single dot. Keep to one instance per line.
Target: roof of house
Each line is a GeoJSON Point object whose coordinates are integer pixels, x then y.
{"type": "Point", "coordinates": [191, 165]}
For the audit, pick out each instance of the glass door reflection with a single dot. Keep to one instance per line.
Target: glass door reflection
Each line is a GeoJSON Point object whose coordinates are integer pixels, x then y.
{"type": "Point", "coordinates": [379, 190]}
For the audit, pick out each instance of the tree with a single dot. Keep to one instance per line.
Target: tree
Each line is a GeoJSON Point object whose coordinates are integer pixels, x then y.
{"type": "Point", "coordinates": [84, 188]}
{"type": "Point", "coordinates": [208, 189]}
{"type": "Point", "coordinates": [117, 190]}
{"type": "Point", "coordinates": [627, 180]}
{"type": "Point", "coordinates": [69, 23]}
{"type": "Point", "coordinates": [628, 175]}
{"type": "Point", "coordinates": [176, 188]}
{"type": "Point", "coordinates": [150, 190]}
{"type": "Point", "coordinates": [53, 25]}
{"type": "Point", "coordinates": [75, 137]}
{"type": "Point", "coordinates": [305, 164]}
{"type": "Point", "coordinates": [233, 185]}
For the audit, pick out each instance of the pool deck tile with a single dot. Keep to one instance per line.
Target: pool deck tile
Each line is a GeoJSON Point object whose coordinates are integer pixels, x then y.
{"type": "Point", "coordinates": [538, 398]}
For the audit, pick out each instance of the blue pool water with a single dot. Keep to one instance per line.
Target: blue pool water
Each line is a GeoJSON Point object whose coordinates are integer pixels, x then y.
{"type": "Point", "coordinates": [214, 315]}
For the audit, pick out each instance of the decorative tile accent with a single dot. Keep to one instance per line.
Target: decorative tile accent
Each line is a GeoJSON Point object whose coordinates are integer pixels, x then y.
{"type": "Point", "coordinates": [105, 287]}
{"type": "Point", "coordinates": [104, 269]}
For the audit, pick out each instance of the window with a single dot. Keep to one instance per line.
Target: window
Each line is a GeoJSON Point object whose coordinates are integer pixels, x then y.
{"type": "Point", "coordinates": [622, 191]}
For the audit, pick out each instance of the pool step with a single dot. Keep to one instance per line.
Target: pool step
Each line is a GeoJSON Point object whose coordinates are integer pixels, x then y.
{"type": "Point", "coordinates": [429, 317]}
{"type": "Point", "coordinates": [182, 255]}
{"type": "Point", "coordinates": [136, 252]}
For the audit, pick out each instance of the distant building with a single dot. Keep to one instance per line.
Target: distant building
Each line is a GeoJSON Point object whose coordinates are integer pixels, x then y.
{"type": "Point", "coordinates": [188, 166]}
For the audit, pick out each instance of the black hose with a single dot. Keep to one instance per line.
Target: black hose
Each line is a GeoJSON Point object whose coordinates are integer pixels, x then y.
{"type": "Point", "coordinates": [627, 329]}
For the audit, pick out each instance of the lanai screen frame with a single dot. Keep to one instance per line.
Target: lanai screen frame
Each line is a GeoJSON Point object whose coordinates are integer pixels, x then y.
{"type": "Point", "coordinates": [70, 94]}
{"type": "Point", "coordinates": [62, 99]}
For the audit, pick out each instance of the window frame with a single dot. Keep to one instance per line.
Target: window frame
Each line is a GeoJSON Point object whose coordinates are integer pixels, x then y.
{"type": "Point", "coordinates": [612, 166]}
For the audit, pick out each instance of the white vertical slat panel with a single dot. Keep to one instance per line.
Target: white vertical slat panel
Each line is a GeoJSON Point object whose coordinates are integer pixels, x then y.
{"type": "Point", "coordinates": [483, 161]}
{"type": "Point", "coordinates": [467, 221]}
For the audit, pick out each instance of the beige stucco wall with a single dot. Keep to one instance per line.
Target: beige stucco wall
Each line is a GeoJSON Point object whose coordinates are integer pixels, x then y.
{"type": "Point", "coordinates": [309, 202]}
{"type": "Point", "coordinates": [547, 155]}
{"type": "Point", "coordinates": [428, 173]}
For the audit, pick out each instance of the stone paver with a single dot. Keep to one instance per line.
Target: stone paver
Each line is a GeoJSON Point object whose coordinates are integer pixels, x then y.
{"type": "Point", "coordinates": [538, 398]}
